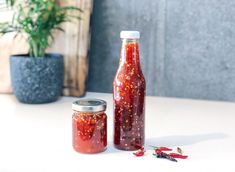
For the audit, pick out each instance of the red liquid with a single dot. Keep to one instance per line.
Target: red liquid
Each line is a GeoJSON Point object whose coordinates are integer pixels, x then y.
{"type": "Point", "coordinates": [89, 132]}
{"type": "Point", "coordinates": [129, 99]}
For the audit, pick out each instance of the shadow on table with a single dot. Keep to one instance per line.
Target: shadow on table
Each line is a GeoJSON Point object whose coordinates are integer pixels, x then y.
{"type": "Point", "coordinates": [181, 140]}
{"type": "Point", "coordinates": [174, 140]}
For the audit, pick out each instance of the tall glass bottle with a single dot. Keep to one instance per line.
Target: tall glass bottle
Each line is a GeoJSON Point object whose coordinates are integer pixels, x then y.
{"type": "Point", "coordinates": [129, 96]}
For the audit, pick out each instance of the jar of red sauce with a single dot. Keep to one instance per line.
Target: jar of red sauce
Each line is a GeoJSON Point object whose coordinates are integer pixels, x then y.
{"type": "Point", "coordinates": [129, 96]}
{"type": "Point", "coordinates": [89, 125]}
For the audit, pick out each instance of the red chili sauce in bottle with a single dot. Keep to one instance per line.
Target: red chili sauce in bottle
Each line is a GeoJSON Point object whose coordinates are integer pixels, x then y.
{"type": "Point", "coordinates": [129, 96]}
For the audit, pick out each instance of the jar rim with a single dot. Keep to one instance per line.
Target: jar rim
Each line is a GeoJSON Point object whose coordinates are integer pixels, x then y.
{"type": "Point", "coordinates": [89, 105]}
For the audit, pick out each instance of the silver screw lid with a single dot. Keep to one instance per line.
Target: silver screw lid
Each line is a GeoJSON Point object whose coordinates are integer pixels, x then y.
{"type": "Point", "coordinates": [89, 105]}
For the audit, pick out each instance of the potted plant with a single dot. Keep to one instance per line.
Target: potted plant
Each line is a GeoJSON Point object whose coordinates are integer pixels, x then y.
{"type": "Point", "coordinates": [37, 77]}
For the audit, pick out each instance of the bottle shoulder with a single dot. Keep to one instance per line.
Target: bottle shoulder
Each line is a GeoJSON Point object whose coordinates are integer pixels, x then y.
{"type": "Point", "coordinates": [129, 77]}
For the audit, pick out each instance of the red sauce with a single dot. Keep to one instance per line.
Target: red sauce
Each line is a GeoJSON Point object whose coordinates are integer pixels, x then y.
{"type": "Point", "coordinates": [89, 132]}
{"type": "Point", "coordinates": [129, 99]}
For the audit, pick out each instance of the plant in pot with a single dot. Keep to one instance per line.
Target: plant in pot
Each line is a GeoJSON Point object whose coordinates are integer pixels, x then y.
{"type": "Point", "coordinates": [37, 77]}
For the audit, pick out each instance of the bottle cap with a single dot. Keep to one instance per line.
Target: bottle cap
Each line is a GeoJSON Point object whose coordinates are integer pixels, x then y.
{"type": "Point", "coordinates": [130, 34]}
{"type": "Point", "coordinates": [89, 105]}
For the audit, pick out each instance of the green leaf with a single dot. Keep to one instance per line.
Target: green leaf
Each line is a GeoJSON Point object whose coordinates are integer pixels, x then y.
{"type": "Point", "coordinates": [10, 2]}
{"type": "Point", "coordinates": [59, 28]}
{"type": "Point", "coordinates": [69, 8]}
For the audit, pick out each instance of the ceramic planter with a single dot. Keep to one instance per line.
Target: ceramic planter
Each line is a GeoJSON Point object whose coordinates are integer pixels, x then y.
{"type": "Point", "coordinates": [37, 80]}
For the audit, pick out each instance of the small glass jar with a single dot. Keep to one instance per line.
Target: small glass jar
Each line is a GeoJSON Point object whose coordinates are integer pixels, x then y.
{"type": "Point", "coordinates": [89, 125]}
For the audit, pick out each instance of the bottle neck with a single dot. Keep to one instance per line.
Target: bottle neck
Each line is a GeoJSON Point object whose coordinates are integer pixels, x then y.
{"type": "Point", "coordinates": [130, 52]}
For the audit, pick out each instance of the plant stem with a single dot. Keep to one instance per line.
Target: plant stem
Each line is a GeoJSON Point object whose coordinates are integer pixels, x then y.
{"type": "Point", "coordinates": [35, 49]}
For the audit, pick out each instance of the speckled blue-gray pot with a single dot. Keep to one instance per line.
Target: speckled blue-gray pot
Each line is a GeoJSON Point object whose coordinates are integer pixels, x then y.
{"type": "Point", "coordinates": [37, 80]}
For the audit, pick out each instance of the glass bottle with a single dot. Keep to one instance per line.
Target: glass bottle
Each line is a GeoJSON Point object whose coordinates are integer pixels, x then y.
{"type": "Point", "coordinates": [129, 96]}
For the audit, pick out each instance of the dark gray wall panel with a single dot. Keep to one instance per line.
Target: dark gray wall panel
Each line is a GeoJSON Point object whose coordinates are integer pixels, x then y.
{"type": "Point", "coordinates": [200, 49]}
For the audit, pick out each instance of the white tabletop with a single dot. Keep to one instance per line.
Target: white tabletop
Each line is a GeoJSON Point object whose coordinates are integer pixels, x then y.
{"type": "Point", "coordinates": [37, 138]}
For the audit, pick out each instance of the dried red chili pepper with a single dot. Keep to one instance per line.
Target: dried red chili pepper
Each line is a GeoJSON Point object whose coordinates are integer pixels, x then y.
{"type": "Point", "coordinates": [162, 148]}
{"type": "Point", "coordinates": [157, 151]}
{"type": "Point", "coordinates": [140, 152]}
{"type": "Point", "coordinates": [165, 149]}
{"type": "Point", "coordinates": [160, 153]}
{"type": "Point", "coordinates": [176, 155]}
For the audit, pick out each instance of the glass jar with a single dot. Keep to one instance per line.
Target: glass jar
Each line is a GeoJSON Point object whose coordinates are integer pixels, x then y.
{"type": "Point", "coordinates": [89, 126]}
{"type": "Point", "coordinates": [129, 96]}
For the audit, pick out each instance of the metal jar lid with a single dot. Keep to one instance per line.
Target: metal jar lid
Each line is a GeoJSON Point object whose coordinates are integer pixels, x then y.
{"type": "Point", "coordinates": [89, 105]}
